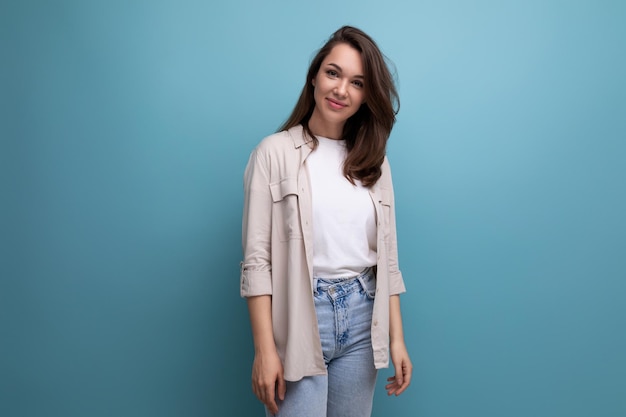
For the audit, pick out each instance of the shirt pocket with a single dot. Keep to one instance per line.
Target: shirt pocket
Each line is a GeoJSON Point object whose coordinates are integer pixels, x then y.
{"type": "Point", "coordinates": [285, 209]}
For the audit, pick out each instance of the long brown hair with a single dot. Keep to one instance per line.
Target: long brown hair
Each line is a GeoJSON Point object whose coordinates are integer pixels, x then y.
{"type": "Point", "coordinates": [366, 132]}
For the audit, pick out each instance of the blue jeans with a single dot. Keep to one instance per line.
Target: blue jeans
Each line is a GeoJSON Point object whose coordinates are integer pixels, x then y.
{"type": "Point", "coordinates": [344, 315]}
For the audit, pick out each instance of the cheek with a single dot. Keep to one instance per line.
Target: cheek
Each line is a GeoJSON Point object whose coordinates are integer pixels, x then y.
{"type": "Point", "coordinates": [318, 96]}
{"type": "Point", "coordinates": [360, 97]}
{"type": "Point", "coordinates": [321, 84]}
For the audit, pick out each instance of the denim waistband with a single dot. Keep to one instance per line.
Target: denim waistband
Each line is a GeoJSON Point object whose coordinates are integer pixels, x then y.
{"type": "Point", "coordinates": [367, 271]}
{"type": "Point", "coordinates": [366, 279]}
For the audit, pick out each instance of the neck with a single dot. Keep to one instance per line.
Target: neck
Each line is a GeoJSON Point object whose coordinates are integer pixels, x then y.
{"type": "Point", "coordinates": [325, 129]}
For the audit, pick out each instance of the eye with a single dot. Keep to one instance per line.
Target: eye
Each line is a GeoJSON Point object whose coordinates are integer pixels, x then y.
{"type": "Point", "coordinates": [332, 73]}
{"type": "Point", "coordinates": [358, 83]}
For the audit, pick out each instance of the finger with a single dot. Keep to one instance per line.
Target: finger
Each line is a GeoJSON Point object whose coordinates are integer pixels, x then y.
{"type": "Point", "coordinates": [273, 410]}
{"type": "Point", "coordinates": [402, 388]}
{"type": "Point", "coordinates": [407, 380]}
{"type": "Point", "coordinates": [391, 387]}
{"type": "Point", "coordinates": [407, 375]}
{"type": "Point", "coordinates": [269, 399]}
{"type": "Point", "coordinates": [399, 376]}
{"type": "Point", "coordinates": [257, 391]}
{"type": "Point", "coordinates": [282, 388]}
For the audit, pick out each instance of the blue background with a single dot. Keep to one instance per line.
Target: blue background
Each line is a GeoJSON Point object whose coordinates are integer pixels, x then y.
{"type": "Point", "coordinates": [126, 126]}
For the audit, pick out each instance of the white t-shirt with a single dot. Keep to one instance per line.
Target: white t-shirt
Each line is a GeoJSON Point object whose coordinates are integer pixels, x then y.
{"type": "Point", "coordinates": [344, 218]}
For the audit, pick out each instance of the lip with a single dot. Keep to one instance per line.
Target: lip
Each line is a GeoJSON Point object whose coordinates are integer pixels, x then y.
{"type": "Point", "coordinates": [337, 105]}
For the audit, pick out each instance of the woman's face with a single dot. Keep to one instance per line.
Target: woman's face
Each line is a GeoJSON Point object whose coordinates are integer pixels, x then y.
{"type": "Point", "coordinates": [339, 90]}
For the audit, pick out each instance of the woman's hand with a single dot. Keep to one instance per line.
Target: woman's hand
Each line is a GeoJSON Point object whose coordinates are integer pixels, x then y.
{"type": "Point", "coordinates": [267, 379]}
{"type": "Point", "coordinates": [267, 369]}
{"type": "Point", "coordinates": [403, 367]}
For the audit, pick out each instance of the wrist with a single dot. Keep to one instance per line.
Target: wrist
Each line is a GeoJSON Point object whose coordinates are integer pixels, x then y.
{"type": "Point", "coordinates": [397, 341]}
{"type": "Point", "coordinates": [265, 349]}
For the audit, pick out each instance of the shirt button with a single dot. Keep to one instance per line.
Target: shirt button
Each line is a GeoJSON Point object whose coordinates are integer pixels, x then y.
{"type": "Point", "coordinates": [375, 322]}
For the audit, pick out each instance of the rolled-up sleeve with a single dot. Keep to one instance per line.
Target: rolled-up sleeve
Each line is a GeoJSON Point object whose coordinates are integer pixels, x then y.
{"type": "Point", "coordinates": [256, 267]}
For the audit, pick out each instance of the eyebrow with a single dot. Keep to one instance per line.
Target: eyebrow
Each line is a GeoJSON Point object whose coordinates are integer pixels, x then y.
{"type": "Point", "coordinates": [340, 70]}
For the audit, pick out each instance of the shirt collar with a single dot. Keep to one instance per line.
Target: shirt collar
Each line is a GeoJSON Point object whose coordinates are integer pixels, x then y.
{"type": "Point", "coordinates": [299, 136]}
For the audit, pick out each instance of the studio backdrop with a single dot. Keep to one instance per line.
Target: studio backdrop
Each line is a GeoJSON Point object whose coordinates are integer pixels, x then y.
{"type": "Point", "coordinates": [125, 128]}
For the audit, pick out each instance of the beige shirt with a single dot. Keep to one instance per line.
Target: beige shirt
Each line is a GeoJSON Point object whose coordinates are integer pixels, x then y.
{"type": "Point", "coordinates": [278, 251]}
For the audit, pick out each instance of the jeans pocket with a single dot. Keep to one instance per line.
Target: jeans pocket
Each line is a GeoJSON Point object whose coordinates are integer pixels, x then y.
{"type": "Point", "coordinates": [368, 285]}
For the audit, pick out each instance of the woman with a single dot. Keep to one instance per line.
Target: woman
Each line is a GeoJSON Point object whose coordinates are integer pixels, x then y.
{"type": "Point", "coordinates": [320, 270]}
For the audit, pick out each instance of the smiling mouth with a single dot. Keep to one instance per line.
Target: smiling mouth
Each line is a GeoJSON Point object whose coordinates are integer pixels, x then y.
{"type": "Point", "coordinates": [335, 104]}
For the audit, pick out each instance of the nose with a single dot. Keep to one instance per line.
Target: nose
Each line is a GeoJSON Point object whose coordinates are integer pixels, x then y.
{"type": "Point", "coordinates": [342, 88]}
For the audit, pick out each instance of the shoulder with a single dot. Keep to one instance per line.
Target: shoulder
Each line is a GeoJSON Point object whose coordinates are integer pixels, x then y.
{"type": "Point", "coordinates": [385, 169]}
{"type": "Point", "coordinates": [286, 145]}
{"type": "Point", "coordinates": [280, 153]}
{"type": "Point", "coordinates": [274, 143]}
{"type": "Point", "coordinates": [385, 180]}
{"type": "Point", "coordinates": [286, 140]}
{"type": "Point", "coordinates": [270, 150]}
{"type": "Point", "coordinates": [385, 165]}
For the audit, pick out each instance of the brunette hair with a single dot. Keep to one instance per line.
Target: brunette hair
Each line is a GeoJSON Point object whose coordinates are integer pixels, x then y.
{"type": "Point", "coordinates": [366, 132]}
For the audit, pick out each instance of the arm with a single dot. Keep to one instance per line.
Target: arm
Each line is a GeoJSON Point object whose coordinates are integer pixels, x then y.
{"type": "Point", "coordinates": [399, 355]}
{"type": "Point", "coordinates": [267, 369]}
{"type": "Point", "coordinates": [256, 282]}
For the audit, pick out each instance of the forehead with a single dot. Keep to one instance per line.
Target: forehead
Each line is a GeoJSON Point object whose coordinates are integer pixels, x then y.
{"type": "Point", "coordinates": [346, 57]}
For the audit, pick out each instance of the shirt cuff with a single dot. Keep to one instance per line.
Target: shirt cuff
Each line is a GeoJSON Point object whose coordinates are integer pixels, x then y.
{"type": "Point", "coordinates": [396, 283]}
{"type": "Point", "coordinates": [255, 282]}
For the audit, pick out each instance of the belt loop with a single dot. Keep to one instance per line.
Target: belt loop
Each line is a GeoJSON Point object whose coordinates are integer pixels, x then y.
{"type": "Point", "coordinates": [362, 281]}
{"type": "Point", "coordinates": [368, 274]}
{"type": "Point", "coordinates": [314, 286]}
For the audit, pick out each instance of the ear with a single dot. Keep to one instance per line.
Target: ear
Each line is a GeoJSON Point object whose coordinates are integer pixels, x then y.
{"type": "Point", "coordinates": [313, 82]}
